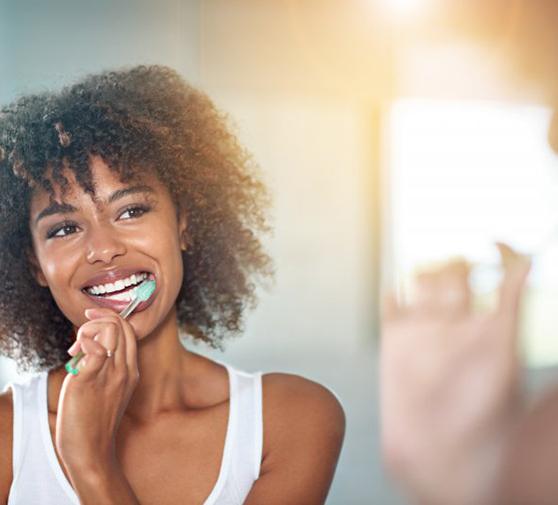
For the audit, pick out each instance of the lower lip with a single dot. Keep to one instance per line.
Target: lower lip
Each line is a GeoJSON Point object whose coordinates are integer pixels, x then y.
{"type": "Point", "coordinates": [120, 305]}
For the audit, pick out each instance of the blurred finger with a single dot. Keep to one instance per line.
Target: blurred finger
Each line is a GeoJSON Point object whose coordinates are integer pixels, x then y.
{"type": "Point", "coordinates": [516, 269]}
{"type": "Point", "coordinates": [443, 292]}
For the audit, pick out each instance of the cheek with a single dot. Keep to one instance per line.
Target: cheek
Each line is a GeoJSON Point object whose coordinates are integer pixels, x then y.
{"type": "Point", "coordinates": [56, 272]}
{"type": "Point", "coordinates": [51, 271]}
{"type": "Point", "coordinates": [172, 263]}
{"type": "Point", "coordinates": [175, 266]}
{"type": "Point", "coordinates": [164, 240]}
{"type": "Point", "coordinates": [163, 246]}
{"type": "Point", "coordinates": [66, 297]}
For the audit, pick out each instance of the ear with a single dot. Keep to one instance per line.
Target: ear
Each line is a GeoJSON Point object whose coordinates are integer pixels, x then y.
{"type": "Point", "coordinates": [183, 229]}
{"type": "Point", "coordinates": [35, 268]}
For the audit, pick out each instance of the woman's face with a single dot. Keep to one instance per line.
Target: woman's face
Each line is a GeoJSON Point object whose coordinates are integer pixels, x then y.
{"type": "Point", "coordinates": [118, 236]}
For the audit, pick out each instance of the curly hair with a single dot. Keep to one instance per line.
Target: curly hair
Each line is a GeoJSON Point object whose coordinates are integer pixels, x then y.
{"type": "Point", "coordinates": [139, 120]}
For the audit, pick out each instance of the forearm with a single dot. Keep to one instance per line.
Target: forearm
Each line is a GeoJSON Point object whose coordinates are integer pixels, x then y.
{"type": "Point", "coordinates": [107, 487]}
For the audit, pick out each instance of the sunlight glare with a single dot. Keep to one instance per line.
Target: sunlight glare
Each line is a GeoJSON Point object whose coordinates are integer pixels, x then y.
{"type": "Point", "coordinates": [404, 6]}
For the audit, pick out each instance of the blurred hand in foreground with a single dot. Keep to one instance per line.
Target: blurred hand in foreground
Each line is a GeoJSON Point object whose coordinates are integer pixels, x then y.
{"type": "Point", "coordinates": [450, 384]}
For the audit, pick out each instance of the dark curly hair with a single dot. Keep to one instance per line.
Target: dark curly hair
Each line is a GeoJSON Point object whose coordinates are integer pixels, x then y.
{"type": "Point", "coordinates": [139, 120]}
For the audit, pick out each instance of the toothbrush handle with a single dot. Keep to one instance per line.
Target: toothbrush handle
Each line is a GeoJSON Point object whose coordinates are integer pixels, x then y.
{"type": "Point", "coordinates": [130, 308]}
{"type": "Point", "coordinates": [72, 363]}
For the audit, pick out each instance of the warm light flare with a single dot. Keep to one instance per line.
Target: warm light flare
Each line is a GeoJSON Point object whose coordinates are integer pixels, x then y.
{"type": "Point", "coordinates": [404, 6]}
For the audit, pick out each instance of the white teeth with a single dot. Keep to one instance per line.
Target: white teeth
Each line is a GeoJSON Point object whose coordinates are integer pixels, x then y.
{"type": "Point", "coordinates": [125, 297]}
{"type": "Point", "coordinates": [117, 286]}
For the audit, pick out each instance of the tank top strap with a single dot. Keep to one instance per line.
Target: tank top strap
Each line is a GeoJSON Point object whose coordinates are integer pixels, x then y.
{"type": "Point", "coordinates": [248, 436]}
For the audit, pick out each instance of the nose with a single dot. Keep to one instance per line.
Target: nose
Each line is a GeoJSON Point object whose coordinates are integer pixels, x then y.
{"type": "Point", "coordinates": [103, 245]}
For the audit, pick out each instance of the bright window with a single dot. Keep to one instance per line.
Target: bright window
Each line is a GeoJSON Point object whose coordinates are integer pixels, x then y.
{"type": "Point", "coordinates": [466, 174]}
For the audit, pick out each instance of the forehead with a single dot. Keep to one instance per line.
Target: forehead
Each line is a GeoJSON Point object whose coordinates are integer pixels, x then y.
{"type": "Point", "coordinates": [104, 181]}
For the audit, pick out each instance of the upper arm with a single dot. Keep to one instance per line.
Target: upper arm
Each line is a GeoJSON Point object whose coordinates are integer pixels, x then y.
{"type": "Point", "coordinates": [304, 427]}
{"type": "Point", "coordinates": [6, 436]}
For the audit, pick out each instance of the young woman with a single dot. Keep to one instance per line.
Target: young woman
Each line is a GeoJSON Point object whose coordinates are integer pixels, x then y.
{"type": "Point", "coordinates": [124, 176]}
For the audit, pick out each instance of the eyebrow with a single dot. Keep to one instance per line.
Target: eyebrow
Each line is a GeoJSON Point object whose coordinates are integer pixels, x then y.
{"type": "Point", "coordinates": [66, 208]}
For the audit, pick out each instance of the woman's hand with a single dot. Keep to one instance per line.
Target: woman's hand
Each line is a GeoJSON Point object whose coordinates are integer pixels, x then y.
{"type": "Point", "coordinates": [92, 403]}
{"type": "Point", "coordinates": [450, 384]}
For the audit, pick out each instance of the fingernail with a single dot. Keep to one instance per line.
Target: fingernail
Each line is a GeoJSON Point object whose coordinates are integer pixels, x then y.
{"type": "Point", "coordinates": [89, 313]}
{"type": "Point", "coordinates": [73, 348]}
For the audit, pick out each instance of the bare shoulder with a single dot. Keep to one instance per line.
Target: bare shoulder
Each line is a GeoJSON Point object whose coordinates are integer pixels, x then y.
{"type": "Point", "coordinates": [294, 395]}
{"type": "Point", "coordinates": [304, 427]}
{"type": "Point", "coordinates": [6, 431]}
{"type": "Point", "coordinates": [300, 413]}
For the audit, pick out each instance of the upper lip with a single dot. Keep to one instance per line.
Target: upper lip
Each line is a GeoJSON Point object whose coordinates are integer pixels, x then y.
{"type": "Point", "coordinates": [110, 276]}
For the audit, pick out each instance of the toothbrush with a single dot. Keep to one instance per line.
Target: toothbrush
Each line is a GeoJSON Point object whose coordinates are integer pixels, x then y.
{"type": "Point", "coordinates": [142, 294]}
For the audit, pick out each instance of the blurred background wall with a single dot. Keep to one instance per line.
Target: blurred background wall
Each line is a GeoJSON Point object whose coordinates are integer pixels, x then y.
{"type": "Point", "coordinates": [378, 125]}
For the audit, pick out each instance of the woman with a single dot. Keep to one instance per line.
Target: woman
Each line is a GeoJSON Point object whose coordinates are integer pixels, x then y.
{"type": "Point", "coordinates": [124, 176]}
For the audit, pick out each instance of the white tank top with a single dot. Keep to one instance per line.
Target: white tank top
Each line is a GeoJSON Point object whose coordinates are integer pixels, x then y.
{"type": "Point", "coordinates": [38, 477]}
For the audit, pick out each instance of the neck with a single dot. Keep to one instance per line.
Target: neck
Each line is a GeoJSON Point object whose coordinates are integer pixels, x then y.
{"type": "Point", "coordinates": [162, 363]}
{"type": "Point", "coordinates": [164, 368]}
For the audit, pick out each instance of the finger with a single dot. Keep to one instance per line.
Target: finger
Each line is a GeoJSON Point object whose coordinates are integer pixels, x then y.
{"type": "Point", "coordinates": [105, 314]}
{"type": "Point", "coordinates": [104, 330]}
{"type": "Point", "coordinates": [127, 352]}
{"type": "Point", "coordinates": [516, 269]}
{"type": "Point", "coordinates": [102, 339]}
{"type": "Point", "coordinates": [443, 292]}
{"type": "Point", "coordinates": [508, 255]}
{"type": "Point", "coordinates": [74, 348]}
{"type": "Point", "coordinates": [453, 282]}
{"type": "Point", "coordinates": [130, 338]}
{"type": "Point", "coordinates": [97, 312]}
{"type": "Point", "coordinates": [92, 363]}
{"type": "Point", "coordinates": [113, 340]}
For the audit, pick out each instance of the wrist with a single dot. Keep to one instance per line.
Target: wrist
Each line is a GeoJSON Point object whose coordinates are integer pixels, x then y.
{"type": "Point", "coordinates": [103, 485]}
{"type": "Point", "coordinates": [93, 472]}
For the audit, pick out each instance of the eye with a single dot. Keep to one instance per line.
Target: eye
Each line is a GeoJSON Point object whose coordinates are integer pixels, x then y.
{"type": "Point", "coordinates": [64, 226]}
{"type": "Point", "coordinates": [137, 210]}
{"type": "Point", "coordinates": [134, 211]}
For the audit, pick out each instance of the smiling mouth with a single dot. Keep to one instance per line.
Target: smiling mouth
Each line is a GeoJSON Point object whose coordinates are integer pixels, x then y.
{"type": "Point", "coordinates": [121, 294]}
